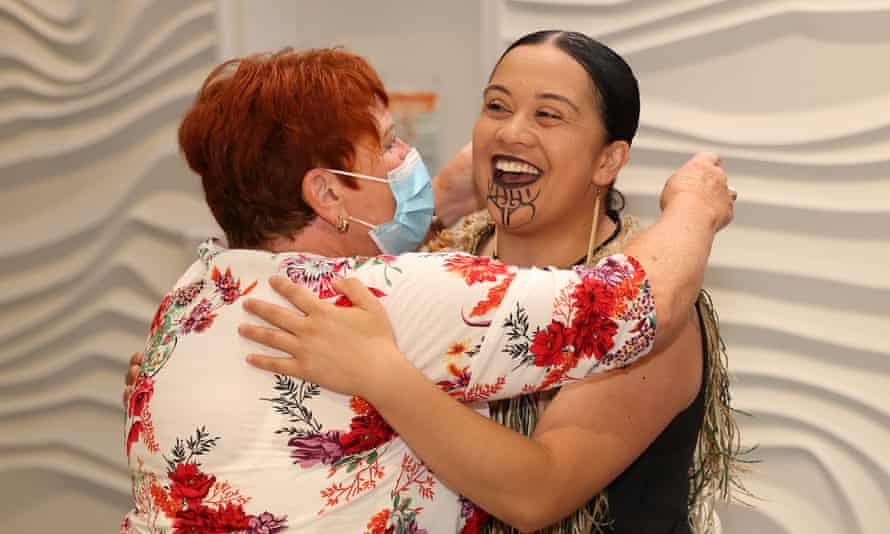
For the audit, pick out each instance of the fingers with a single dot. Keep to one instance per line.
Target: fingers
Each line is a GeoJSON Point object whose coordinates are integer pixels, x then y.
{"type": "Point", "coordinates": [133, 369]}
{"type": "Point", "coordinates": [277, 365]}
{"type": "Point", "coordinates": [296, 294]}
{"type": "Point", "coordinates": [132, 375]}
{"type": "Point", "coordinates": [357, 292]}
{"type": "Point", "coordinates": [271, 337]}
{"type": "Point", "coordinates": [710, 158]}
{"type": "Point", "coordinates": [282, 317]}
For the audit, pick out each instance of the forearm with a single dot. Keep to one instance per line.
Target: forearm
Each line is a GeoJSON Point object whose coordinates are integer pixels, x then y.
{"type": "Point", "coordinates": [674, 252]}
{"type": "Point", "coordinates": [454, 190]}
{"type": "Point", "coordinates": [505, 473]}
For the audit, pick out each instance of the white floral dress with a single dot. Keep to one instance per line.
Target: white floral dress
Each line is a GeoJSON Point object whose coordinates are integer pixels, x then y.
{"type": "Point", "coordinates": [217, 446]}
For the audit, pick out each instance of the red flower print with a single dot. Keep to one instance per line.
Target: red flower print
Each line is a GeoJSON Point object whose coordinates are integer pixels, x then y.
{"type": "Point", "coordinates": [360, 406]}
{"type": "Point", "coordinates": [595, 335]}
{"type": "Point", "coordinates": [190, 484]}
{"type": "Point", "coordinates": [141, 396]}
{"type": "Point", "coordinates": [315, 274]}
{"type": "Point", "coordinates": [231, 517]}
{"type": "Point", "coordinates": [457, 349]}
{"type": "Point", "coordinates": [494, 298]}
{"type": "Point", "coordinates": [593, 297]}
{"type": "Point", "coordinates": [185, 295]}
{"type": "Point", "coordinates": [133, 435]}
{"type": "Point", "coordinates": [475, 521]}
{"type": "Point", "coordinates": [158, 319]}
{"type": "Point", "coordinates": [205, 520]}
{"type": "Point", "coordinates": [367, 431]}
{"type": "Point", "coordinates": [548, 345]}
{"type": "Point", "coordinates": [228, 287]}
{"type": "Point", "coordinates": [377, 524]}
{"type": "Point", "coordinates": [199, 319]}
{"type": "Point", "coordinates": [475, 269]}
{"type": "Point", "coordinates": [457, 384]}
{"type": "Point", "coordinates": [344, 302]}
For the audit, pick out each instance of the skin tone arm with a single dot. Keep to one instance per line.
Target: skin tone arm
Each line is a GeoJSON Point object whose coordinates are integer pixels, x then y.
{"type": "Point", "coordinates": [526, 482]}
{"type": "Point", "coordinates": [455, 190]}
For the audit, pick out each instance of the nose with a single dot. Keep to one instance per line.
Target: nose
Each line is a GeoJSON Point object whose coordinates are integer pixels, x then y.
{"type": "Point", "coordinates": [401, 148]}
{"type": "Point", "coordinates": [515, 131]}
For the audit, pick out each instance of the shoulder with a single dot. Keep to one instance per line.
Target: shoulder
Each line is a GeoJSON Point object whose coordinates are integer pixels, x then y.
{"type": "Point", "coordinates": [464, 235]}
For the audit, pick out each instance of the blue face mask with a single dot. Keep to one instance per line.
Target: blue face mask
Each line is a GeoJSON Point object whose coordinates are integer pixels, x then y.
{"type": "Point", "coordinates": [413, 190]}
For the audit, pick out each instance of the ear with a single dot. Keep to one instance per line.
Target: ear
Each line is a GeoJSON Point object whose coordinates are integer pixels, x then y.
{"type": "Point", "coordinates": [322, 191]}
{"type": "Point", "coordinates": [612, 159]}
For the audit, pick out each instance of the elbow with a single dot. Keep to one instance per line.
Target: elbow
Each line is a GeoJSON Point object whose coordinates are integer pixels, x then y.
{"type": "Point", "coordinates": [670, 318]}
{"type": "Point", "coordinates": [533, 514]}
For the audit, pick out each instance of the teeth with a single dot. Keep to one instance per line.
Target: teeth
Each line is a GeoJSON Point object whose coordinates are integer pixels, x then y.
{"type": "Point", "coordinates": [515, 167]}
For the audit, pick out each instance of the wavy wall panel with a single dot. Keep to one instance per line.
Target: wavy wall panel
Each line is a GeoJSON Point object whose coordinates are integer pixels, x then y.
{"type": "Point", "coordinates": [794, 96]}
{"type": "Point", "coordinates": [92, 195]}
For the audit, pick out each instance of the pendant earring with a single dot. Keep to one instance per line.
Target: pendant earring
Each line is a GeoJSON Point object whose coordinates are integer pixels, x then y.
{"type": "Point", "coordinates": [342, 224]}
{"type": "Point", "coordinates": [591, 245]}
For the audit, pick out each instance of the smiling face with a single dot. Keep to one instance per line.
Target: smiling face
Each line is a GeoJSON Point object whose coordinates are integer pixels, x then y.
{"type": "Point", "coordinates": [538, 142]}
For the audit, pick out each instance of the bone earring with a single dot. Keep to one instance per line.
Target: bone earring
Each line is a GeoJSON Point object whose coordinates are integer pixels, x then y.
{"type": "Point", "coordinates": [591, 244]}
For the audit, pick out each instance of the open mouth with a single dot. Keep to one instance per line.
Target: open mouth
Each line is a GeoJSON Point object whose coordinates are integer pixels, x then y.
{"type": "Point", "coordinates": [510, 172]}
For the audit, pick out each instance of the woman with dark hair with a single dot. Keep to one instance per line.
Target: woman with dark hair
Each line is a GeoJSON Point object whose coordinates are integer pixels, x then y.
{"type": "Point", "coordinates": [302, 171]}
{"type": "Point", "coordinates": [654, 443]}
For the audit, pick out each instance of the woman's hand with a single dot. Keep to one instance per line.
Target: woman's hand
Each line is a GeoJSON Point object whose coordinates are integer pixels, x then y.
{"type": "Point", "coordinates": [346, 349]}
{"type": "Point", "coordinates": [455, 189]}
{"type": "Point", "coordinates": [132, 374]}
{"type": "Point", "coordinates": [703, 182]}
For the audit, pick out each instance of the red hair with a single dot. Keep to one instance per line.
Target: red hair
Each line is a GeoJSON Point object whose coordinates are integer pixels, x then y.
{"type": "Point", "coordinates": [261, 122]}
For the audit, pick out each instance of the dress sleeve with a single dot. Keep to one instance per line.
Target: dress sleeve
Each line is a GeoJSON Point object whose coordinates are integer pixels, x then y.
{"type": "Point", "coordinates": [483, 330]}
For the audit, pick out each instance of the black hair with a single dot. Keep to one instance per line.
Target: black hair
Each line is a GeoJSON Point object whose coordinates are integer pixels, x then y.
{"type": "Point", "coordinates": [617, 90]}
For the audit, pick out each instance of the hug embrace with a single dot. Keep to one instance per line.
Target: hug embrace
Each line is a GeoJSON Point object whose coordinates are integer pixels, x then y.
{"type": "Point", "coordinates": [495, 348]}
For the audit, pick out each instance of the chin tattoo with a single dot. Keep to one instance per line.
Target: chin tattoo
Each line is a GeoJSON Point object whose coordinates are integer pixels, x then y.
{"type": "Point", "coordinates": [516, 204]}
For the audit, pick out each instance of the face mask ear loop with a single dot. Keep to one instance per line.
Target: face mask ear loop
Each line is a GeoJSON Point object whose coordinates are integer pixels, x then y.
{"type": "Point", "coordinates": [357, 175]}
{"type": "Point", "coordinates": [361, 222]}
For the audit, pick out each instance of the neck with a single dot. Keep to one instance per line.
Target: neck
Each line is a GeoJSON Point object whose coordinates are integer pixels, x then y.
{"type": "Point", "coordinates": [317, 237]}
{"type": "Point", "coordinates": [560, 246]}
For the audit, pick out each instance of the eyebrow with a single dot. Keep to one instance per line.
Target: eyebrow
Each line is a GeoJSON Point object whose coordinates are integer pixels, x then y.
{"type": "Point", "coordinates": [389, 131]}
{"type": "Point", "coordinates": [545, 96]}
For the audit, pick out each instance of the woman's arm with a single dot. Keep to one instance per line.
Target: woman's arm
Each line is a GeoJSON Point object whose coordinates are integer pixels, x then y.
{"type": "Point", "coordinates": [454, 189]}
{"type": "Point", "coordinates": [591, 433]}
{"type": "Point", "coordinates": [479, 329]}
{"type": "Point", "coordinates": [674, 251]}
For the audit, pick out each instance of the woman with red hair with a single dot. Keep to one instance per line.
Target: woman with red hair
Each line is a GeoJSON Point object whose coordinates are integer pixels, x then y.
{"type": "Point", "coordinates": [303, 173]}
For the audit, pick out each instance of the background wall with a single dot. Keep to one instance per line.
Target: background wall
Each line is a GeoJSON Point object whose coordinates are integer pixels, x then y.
{"type": "Point", "coordinates": [91, 190]}
{"type": "Point", "coordinates": [794, 95]}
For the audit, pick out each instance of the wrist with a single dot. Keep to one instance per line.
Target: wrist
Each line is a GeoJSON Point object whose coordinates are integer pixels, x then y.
{"type": "Point", "coordinates": [389, 372]}
{"type": "Point", "coordinates": [694, 209]}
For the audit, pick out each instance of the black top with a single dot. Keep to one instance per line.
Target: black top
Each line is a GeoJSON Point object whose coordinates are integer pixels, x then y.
{"type": "Point", "coordinates": [652, 495]}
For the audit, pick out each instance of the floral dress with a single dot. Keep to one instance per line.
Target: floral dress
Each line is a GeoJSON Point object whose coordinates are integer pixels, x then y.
{"type": "Point", "coordinates": [217, 446]}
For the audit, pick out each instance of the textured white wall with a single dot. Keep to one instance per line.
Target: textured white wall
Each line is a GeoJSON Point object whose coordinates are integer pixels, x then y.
{"type": "Point", "coordinates": [795, 95]}
{"type": "Point", "coordinates": [413, 44]}
{"type": "Point", "coordinates": [91, 189]}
